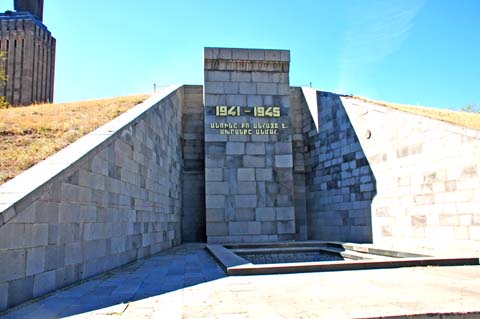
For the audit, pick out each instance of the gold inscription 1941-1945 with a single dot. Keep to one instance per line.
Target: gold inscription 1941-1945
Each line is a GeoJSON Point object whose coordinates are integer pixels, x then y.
{"type": "Point", "coordinates": [257, 111]}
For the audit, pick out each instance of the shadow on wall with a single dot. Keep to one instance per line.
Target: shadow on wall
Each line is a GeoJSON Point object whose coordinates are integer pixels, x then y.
{"type": "Point", "coordinates": [340, 182]}
{"type": "Point", "coordinates": [427, 175]}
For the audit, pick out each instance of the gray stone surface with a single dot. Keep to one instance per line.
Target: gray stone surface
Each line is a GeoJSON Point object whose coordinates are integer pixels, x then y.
{"type": "Point", "coordinates": [160, 174]}
{"type": "Point", "coordinates": [258, 148]}
{"type": "Point", "coordinates": [426, 173]}
{"type": "Point", "coordinates": [185, 282]}
{"type": "Point", "coordinates": [336, 174]}
{"type": "Point", "coordinates": [30, 67]}
{"type": "Point", "coordinates": [119, 199]}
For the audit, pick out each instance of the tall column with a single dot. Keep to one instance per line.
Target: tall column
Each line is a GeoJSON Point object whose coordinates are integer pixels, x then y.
{"type": "Point", "coordinates": [248, 146]}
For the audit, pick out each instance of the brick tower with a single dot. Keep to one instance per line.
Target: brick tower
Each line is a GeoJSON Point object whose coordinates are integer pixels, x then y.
{"type": "Point", "coordinates": [30, 54]}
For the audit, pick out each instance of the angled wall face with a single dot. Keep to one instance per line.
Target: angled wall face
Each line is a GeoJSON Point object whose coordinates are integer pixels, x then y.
{"type": "Point", "coordinates": [248, 146]}
{"type": "Point", "coordinates": [110, 198]}
{"type": "Point", "coordinates": [427, 173]}
{"type": "Point", "coordinates": [339, 182]}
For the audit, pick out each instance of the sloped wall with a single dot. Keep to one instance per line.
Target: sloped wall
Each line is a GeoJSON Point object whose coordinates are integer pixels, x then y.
{"type": "Point", "coordinates": [428, 176]}
{"type": "Point", "coordinates": [110, 198]}
{"type": "Point", "coordinates": [340, 184]}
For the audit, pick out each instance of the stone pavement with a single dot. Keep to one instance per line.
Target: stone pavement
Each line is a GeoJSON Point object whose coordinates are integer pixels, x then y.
{"type": "Point", "coordinates": [185, 282]}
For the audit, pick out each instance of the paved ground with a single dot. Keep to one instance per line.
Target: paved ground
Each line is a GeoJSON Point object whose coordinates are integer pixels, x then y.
{"type": "Point", "coordinates": [186, 283]}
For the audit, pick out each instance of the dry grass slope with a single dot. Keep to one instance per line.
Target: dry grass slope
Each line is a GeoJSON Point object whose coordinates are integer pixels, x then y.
{"type": "Point", "coordinates": [470, 120]}
{"type": "Point", "coordinates": [30, 134]}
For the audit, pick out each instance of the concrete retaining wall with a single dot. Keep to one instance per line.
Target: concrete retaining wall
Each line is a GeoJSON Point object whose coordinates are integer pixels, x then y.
{"type": "Point", "coordinates": [427, 172]}
{"type": "Point", "coordinates": [110, 198]}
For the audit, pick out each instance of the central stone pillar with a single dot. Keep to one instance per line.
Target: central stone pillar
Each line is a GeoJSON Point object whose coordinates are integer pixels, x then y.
{"type": "Point", "coordinates": [248, 146]}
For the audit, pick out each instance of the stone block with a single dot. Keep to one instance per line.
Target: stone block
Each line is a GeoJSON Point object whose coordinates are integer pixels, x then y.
{"type": "Point", "coordinates": [44, 283]}
{"type": "Point", "coordinates": [268, 227]}
{"type": "Point", "coordinates": [19, 291]}
{"type": "Point", "coordinates": [256, 55]}
{"type": "Point", "coordinates": [255, 149]}
{"type": "Point", "coordinates": [216, 229]}
{"type": "Point", "coordinates": [215, 215]}
{"type": "Point", "coordinates": [237, 100]}
{"type": "Point", "coordinates": [218, 76]}
{"type": "Point", "coordinates": [3, 296]}
{"type": "Point", "coordinates": [213, 174]}
{"type": "Point", "coordinates": [263, 77]}
{"type": "Point", "coordinates": [267, 88]}
{"type": "Point", "coordinates": [281, 77]}
{"type": "Point", "coordinates": [246, 174]}
{"type": "Point", "coordinates": [215, 148]}
{"type": "Point", "coordinates": [260, 138]}
{"type": "Point", "coordinates": [283, 148]}
{"type": "Point", "coordinates": [273, 55]}
{"type": "Point", "coordinates": [12, 264]}
{"type": "Point", "coordinates": [254, 100]}
{"type": "Point", "coordinates": [71, 213]}
{"type": "Point", "coordinates": [235, 148]}
{"type": "Point", "coordinates": [214, 88]}
{"type": "Point", "coordinates": [232, 88]}
{"type": "Point", "coordinates": [215, 99]}
{"type": "Point", "coordinates": [449, 220]}
{"type": "Point", "coordinates": [70, 232]}
{"type": "Point", "coordinates": [240, 54]}
{"type": "Point", "coordinates": [285, 213]}
{"type": "Point", "coordinates": [245, 214]}
{"type": "Point", "coordinates": [54, 257]}
{"type": "Point", "coordinates": [265, 214]}
{"type": "Point", "coordinates": [238, 138]}
{"type": "Point", "coordinates": [247, 188]}
{"type": "Point", "coordinates": [248, 88]}
{"type": "Point", "coordinates": [286, 227]}
{"type": "Point", "coordinates": [264, 174]}
{"type": "Point", "coordinates": [238, 76]}
{"type": "Point", "coordinates": [225, 53]}
{"type": "Point", "coordinates": [215, 161]}
{"type": "Point", "coordinates": [244, 228]}
{"type": "Point", "coordinates": [250, 161]}
{"type": "Point", "coordinates": [216, 188]}
{"type": "Point", "coordinates": [76, 194]}
{"type": "Point", "coordinates": [46, 212]}
{"type": "Point", "coordinates": [35, 261]}
{"type": "Point", "coordinates": [283, 161]}
{"type": "Point", "coordinates": [283, 89]}
{"type": "Point", "coordinates": [215, 201]}
{"type": "Point", "coordinates": [94, 231]}
{"type": "Point", "coordinates": [73, 253]}
{"type": "Point", "coordinates": [208, 53]}
{"type": "Point", "coordinates": [245, 201]}
{"type": "Point", "coordinates": [285, 55]}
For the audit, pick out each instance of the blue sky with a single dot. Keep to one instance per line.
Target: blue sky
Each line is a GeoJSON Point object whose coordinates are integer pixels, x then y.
{"type": "Point", "coordinates": [422, 52]}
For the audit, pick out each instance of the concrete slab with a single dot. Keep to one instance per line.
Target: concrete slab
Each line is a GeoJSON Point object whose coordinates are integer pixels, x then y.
{"type": "Point", "coordinates": [373, 258]}
{"type": "Point", "coordinates": [417, 292]}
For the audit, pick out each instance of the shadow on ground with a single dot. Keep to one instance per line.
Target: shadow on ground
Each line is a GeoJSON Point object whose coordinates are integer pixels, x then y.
{"type": "Point", "coordinates": [177, 268]}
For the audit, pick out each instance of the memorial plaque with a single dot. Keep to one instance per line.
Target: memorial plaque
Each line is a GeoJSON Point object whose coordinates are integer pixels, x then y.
{"type": "Point", "coordinates": [248, 146]}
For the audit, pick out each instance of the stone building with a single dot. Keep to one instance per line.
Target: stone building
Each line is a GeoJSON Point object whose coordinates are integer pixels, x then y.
{"type": "Point", "coordinates": [29, 54]}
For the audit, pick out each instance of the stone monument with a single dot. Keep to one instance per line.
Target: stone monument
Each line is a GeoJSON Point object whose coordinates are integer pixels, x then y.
{"type": "Point", "coordinates": [30, 54]}
{"type": "Point", "coordinates": [248, 146]}
{"type": "Point", "coordinates": [35, 7]}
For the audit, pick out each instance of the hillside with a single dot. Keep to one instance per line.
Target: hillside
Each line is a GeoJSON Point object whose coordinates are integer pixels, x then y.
{"type": "Point", "coordinates": [467, 119]}
{"type": "Point", "coordinates": [30, 134]}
